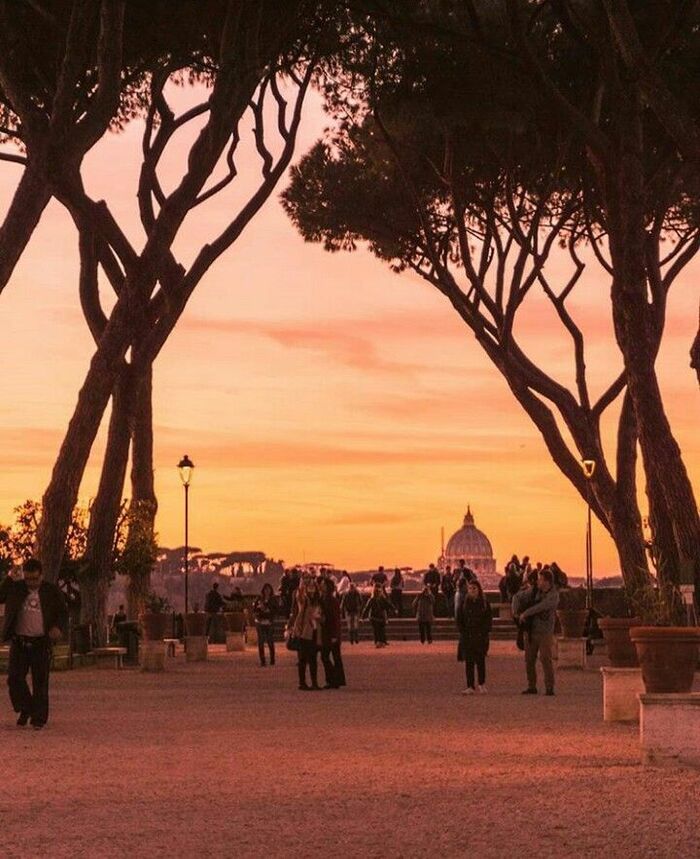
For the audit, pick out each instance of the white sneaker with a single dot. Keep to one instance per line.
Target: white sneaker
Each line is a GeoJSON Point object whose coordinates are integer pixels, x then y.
{"type": "Point", "coordinates": [482, 689]}
{"type": "Point", "coordinates": [468, 691]}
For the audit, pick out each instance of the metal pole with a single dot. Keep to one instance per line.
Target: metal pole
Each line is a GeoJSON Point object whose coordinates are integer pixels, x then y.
{"type": "Point", "coordinates": [589, 551]}
{"type": "Point", "coordinates": [187, 548]}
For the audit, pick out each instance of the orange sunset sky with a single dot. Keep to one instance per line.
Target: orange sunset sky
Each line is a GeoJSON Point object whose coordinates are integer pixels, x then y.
{"type": "Point", "coordinates": [334, 411]}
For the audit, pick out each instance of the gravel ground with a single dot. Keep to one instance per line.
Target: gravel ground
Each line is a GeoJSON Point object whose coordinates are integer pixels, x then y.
{"type": "Point", "coordinates": [226, 758]}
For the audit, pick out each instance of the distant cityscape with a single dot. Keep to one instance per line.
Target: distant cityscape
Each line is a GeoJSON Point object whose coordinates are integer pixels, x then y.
{"type": "Point", "coordinates": [251, 570]}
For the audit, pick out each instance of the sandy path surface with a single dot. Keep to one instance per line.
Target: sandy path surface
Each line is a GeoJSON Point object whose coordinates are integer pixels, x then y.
{"type": "Point", "coordinates": [225, 758]}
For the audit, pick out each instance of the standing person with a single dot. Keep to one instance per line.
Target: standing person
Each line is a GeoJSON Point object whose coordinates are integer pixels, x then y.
{"type": "Point", "coordinates": [285, 591]}
{"type": "Point", "coordinates": [396, 591]}
{"type": "Point", "coordinates": [380, 578]}
{"type": "Point", "coordinates": [539, 639]}
{"type": "Point", "coordinates": [514, 578]}
{"type": "Point", "coordinates": [351, 607]}
{"type": "Point", "coordinates": [119, 617]}
{"type": "Point", "coordinates": [377, 609]}
{"type": "Point", "coordinates": [432, 580]}
{"type": "Point", "coordinates": [460, 596]}
{"type": "Point", "coordinates": [35, 617]}
{"type": "Point", "coordinates": [213, 603]}
{"type": "Point", "coordinates": [331, 637]}
{"type": "Point", "coordinates": [264, 610]}
{"type": "Point", "coordinates": [448, 591]}
{"type": "Point", "coordinates": [424, 609]}
{"type": "Point", "coordinates": [474, 621]}
{"type": "Point", "coordinates": [465, 572]}
{"type": "Point", "coordinates": [559, 578]}
{"type": "Point", "coordinates": [236, 601]}
{"type": "Point", "coordinates": [305, 625]}
{"type": "Point", "coordinates": [344, 584]}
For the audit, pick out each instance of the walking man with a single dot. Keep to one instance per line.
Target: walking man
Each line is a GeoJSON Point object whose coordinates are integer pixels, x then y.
{"type": "Point", "coordinates": [35, 617]}
{"type": "Point", "coordinates": [539, 640]}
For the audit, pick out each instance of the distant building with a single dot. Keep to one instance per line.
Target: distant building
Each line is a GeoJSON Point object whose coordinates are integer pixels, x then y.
{"type": "Point", "coordinates": [472, 545]}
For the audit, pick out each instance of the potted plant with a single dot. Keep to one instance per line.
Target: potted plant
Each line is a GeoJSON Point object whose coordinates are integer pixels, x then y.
{"type": "Point", "coordinates": [572, 613]}
{"type": "Point", "coordinates": [616, 631]}
{"type": "Point", "coordinates": [615, 627]}
{"type": "Point", "coordinates": [235, 611]}
{"type": "Point", "coordinates": [155, 620]}
{"type": "Point", "coordinates": [667, 650]}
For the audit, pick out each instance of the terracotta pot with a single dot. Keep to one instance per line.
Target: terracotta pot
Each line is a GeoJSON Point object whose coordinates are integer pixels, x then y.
{"type": "Point", "coordinates": [235, 621]}
{"type": "Point", "coordinates": [196, 623]}
{"type": "Point", "coordinates": [156, 626]}
{"type": "Point", "coordinates": [667, 655]}
{"type": "Point", "coordinates": [572, 622]}
{"type": "Point", "coordinates": [616, 632]}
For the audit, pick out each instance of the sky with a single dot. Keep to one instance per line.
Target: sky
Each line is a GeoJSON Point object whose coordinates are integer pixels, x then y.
{"type": "Point", "coordinates": [335, 411]}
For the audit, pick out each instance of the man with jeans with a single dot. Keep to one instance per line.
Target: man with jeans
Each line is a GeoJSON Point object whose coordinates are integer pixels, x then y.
{"type": "Point", "coordinates": [539, 640]}
{"type": "Point", "coordinates": [35, 617]}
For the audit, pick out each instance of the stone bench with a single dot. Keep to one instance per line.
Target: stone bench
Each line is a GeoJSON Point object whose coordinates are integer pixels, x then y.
{"type": "Point", "coordinates": [109, 657]}
{"type": "Point", "coordinates": [171, 646]}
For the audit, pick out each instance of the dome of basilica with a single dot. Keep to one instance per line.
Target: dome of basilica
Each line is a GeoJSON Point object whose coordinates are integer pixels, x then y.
{"type": "Point", "coordinates": [469, 542]}
{"type": "Point", "coordinates": [474, 547]}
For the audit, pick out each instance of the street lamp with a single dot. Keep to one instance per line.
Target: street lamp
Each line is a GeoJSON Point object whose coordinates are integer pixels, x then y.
{"type": "Point", "coordinates": [185, 467]}
{"type": "Point", "coordinates": [588, 466]}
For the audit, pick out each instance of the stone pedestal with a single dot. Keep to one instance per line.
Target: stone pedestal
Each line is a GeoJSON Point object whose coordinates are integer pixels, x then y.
{"type": "Point", "coordinates": [152, 656]}
{"type": "Point", "coordinates": [669, 729]}
{"type": "Point", "coordinates": [196, 648]}
{"type": "Point", "coordinates": [621, 690]}
{"type": "Point", "coordinates": [251, 636]}
{"type": "Point", "coordinates": [572, 652]}
{"type": "Point", "coordinates": [235, 641]}
{"type": "Point", "coordinates": [505, 611]}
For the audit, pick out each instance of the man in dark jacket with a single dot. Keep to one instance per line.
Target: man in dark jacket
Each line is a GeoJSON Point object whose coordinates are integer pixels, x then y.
{"type": "Point", "coordinates": [35, 617]}
{"type": "Point", "coordinates": [213, 603]}
{"type": "Point", "coordinates": [432, 580]}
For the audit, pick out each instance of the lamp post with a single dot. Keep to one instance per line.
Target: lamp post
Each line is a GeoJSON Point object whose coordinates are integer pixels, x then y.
{"type": "Point", "coordinates": [588, 466]}
{"type": "Point", "coordinates": [185, 467]}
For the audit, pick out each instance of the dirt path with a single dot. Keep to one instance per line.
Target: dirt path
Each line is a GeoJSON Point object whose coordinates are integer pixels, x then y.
{"type": "Point", "coordinates": [227, 759]}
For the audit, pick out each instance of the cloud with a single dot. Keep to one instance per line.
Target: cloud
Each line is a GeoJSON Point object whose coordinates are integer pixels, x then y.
{"type": "Point", "coordinates": [350, 342]}
{"type": "Point", "coordinates": [218, 451]}
{"type": "Point", "coordinates": [369, 518]}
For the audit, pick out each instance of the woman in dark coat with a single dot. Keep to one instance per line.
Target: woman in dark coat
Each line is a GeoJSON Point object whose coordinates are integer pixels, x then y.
{"type": "Point", "coordinates": [331, 637]}
{"type": "Point", "coordinates": [474, 619]}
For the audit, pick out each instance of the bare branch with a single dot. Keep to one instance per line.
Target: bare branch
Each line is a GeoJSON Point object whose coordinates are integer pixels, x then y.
{"type": "Point", "coordinates": [13, 159]}
{"type": "Point", "coordinates": [609, 396]}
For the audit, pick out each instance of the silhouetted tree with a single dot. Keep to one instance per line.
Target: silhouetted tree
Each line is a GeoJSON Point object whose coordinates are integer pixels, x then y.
{"type": "Point", "coordinates": [450, 160]}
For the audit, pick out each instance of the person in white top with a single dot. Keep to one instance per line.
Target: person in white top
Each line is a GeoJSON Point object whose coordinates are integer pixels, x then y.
{"type": "Point", "coordinates": [344, 585]}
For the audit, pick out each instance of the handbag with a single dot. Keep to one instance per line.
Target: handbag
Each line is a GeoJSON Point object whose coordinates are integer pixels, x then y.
{"type": "Point", "coordinates": [292, 642]}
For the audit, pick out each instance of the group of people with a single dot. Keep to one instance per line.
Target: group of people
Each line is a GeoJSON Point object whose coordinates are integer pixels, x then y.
{"type": "Point", "coordinates": [517, 573]}
{"type": "Point", "coordinates": [36, 616]}
{"type": "Point", "coordinates": [313, 627]}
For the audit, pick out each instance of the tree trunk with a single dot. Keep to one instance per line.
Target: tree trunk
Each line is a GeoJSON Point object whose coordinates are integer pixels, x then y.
{"type": "Point", "coordinates": [93, 607]}
{"type": "Point", "coordinates": [625, 519]}
{"type": "Point", "coordinates": [29, 201]}
{"type": "Point", "coordinates": [636, 321]}
{"type": "Point", "coordinates": [104, 512]}
{"type": "Point", "coordinates": [143, 497]}
{"type": "Point", "coordinates": [62, 492]}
